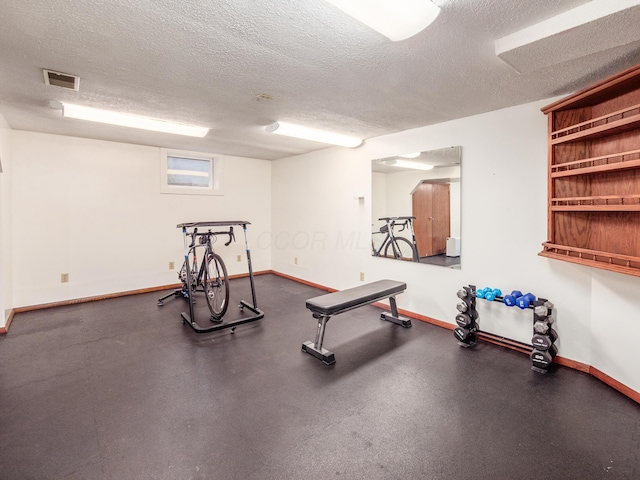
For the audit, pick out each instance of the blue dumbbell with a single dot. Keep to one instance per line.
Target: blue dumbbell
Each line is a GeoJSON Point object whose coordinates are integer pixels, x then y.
{"type": "Point", "coordinates": [525, 300]}
{"type": "Point", "coordinates": [492, 294]}
{"type": "Point", "coordinates": [488, 291]}
{"type": "Point", "coordinates": [510, 300]}
{"type": "Point", "coordinates": [480, 293]}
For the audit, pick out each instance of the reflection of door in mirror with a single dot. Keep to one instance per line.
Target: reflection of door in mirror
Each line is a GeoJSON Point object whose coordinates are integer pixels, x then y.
{"type": "Point", "coordinates": [431, 207]}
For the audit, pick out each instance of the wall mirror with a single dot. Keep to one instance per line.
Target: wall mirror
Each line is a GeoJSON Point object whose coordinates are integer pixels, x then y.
{"type": "Point", "coordinates": [415, 205]}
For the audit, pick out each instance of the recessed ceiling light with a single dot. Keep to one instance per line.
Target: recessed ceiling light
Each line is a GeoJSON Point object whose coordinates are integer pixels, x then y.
{"type": "Point", "coordinates": [306, 133]}
{"type": "Point", "coordinates": [395, 19]}
{"type": "Point", "coordinates": [133, 121]}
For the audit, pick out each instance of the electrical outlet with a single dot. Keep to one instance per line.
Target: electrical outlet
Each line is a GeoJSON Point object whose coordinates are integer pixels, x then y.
{"type": "Point", "coordinates": [64, 277]}
{"type": "Point", "coordinates": [295, 260]}
{"type": "Point", "coordinates": [172, 265]}
{"type": "Point", "coordinates": [239, 258]}
{"type": "Point", "coordinates": [362, 276]}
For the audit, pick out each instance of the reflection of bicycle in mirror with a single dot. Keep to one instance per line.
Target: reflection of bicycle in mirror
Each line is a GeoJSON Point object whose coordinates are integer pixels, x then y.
{"type": "Point", "coordinates": [394, 245]}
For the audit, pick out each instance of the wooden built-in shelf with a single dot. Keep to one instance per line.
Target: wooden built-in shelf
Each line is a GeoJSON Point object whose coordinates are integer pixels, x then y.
{"type": "Point", "coordinates": [594, 175]}
{"type": "Point", "coordinates": [607, 261]}
{"type": "Point", "coordinates": [608, 203]}
{"type": "Point", "coordinates": [609, 124]}
{"type": "Point", "coordinates": [603, 163]}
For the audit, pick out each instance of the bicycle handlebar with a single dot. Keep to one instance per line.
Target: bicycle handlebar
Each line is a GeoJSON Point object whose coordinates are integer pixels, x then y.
{"type": "Point", "coordinates": [232, 237]}
{"type": "Point", "coordinates": [209, 234]}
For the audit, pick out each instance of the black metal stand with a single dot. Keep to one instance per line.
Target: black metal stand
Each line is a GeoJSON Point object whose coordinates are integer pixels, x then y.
{"type": "Point", "coordinates": [176, 293]}
{"type": "Point", "coordinates": [189, 318]}
{"type": "Point", "coordinates": [541, 350]}
{"type": "Point", "coordinates": [395, 317]}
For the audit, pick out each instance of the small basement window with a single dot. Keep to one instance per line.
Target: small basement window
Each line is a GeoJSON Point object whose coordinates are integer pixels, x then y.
{"type": "Point", "coordinates": [190, 173]}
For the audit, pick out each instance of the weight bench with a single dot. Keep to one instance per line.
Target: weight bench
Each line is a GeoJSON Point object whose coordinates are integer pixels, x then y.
{"type": "Point", "coordinates": [328, 305]}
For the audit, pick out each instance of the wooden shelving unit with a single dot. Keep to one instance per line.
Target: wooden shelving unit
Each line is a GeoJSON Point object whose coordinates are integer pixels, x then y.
{"type": "Point", "coordinates": [594, 175]}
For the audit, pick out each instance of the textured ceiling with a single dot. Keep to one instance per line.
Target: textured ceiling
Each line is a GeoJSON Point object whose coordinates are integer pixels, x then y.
{"type": "Point", "coordinates": [205, 62]}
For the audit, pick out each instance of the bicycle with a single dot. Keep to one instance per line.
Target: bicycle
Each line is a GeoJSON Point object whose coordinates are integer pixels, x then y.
{"type": "Point", "coordinates": [396, 246]}
{"type": "Point", "coordinates": [210, 277]}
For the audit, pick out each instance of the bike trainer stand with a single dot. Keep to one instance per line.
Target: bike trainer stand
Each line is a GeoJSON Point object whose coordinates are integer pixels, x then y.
{"type": "Point", "coordinates": [189, 318]}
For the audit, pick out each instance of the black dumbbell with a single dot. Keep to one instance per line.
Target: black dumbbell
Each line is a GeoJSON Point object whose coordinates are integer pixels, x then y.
{"type": "Point", "coordinates": [543, 359]}
{"type": "Point", "coordinates": [464, 320]}
{"type": "Point", "coordinates": [544, 342]}
{"type": "Point", "coordinates": [464, 335]}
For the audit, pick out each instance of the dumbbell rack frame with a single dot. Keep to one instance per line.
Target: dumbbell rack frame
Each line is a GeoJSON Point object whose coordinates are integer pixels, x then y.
{"type": "Point", "coordinates": [502, 341]}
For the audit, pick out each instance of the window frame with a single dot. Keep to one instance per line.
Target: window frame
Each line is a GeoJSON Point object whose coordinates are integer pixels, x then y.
{"type": "Point", "coordinates": [216, 172]}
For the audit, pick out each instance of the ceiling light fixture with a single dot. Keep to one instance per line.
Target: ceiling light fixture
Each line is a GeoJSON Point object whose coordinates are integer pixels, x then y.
{"type": "Point", "coordinates": [125, 120]}
{"type": "Point", "coordinates": [410, 164]}
{"type": "Point", "coordinates": [395, 19]}
{"type": "Point", "coordinates": [306, 133]}
{"type": "Point", "coordinates": [410, 155]}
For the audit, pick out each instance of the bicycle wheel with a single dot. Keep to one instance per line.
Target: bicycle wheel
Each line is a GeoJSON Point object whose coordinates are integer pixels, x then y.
{"type": "Point", "coordinates": [216, 286]}
{"type": "Point", "coordinates": [400, 248]}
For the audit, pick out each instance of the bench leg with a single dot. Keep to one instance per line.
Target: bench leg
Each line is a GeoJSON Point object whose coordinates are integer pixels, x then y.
{"type": "Point", "coordinates": [394, 317]}
{"type": "Point", "coordinates": [315, 348]}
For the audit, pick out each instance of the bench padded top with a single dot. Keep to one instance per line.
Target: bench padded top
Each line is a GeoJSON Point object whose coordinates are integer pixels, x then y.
{"type": "Point", "coordinates": [338, 302]}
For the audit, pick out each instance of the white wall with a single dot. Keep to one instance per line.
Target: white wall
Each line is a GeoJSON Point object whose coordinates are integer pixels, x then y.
{"type": "Point", "coordinates": [503, 223]}
{"type": "Point", "coordinates": [5, 222]}
{"type": "Point", "coordinates": [615, 305]}
{"type": "Point", "coordinates": [93, 209]}
{"type": "Point", "coordinates": [378, 198]}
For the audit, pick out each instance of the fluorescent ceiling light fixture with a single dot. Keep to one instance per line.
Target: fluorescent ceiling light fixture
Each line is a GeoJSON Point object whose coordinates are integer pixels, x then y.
{"type": "Point", "coordinates": [409, 164]}
{"type": "Point", "coordinates": [395, 19]}
{"type": "Point", "coordinates": [133, 121]}
{"type": "Point", "coordinates": [410, 155]}
{"type": "Point", "coordinates": [306, 133]}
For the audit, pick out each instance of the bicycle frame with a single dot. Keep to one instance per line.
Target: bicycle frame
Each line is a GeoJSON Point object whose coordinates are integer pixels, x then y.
{"type": "Point", "coordinates": [208, 250]}
{"type": "Point", "coordinates": [391, 223]}
{"type": "Point", "coordinates": [389, 237]}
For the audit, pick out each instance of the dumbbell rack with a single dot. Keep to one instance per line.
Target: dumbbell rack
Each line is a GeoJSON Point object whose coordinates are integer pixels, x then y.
{"type": "Point", "coordinates": [542, 349]}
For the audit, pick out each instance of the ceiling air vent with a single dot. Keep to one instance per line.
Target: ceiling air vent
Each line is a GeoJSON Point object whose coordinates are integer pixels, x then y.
{"type": "Point", "coordinates": [63, 80]}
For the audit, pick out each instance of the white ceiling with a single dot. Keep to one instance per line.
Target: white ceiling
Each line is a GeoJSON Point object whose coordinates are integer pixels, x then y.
{"type": "Point", "coordinates": [205, 62]}
{"type": "Point", "coordinates": [441, 157]}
